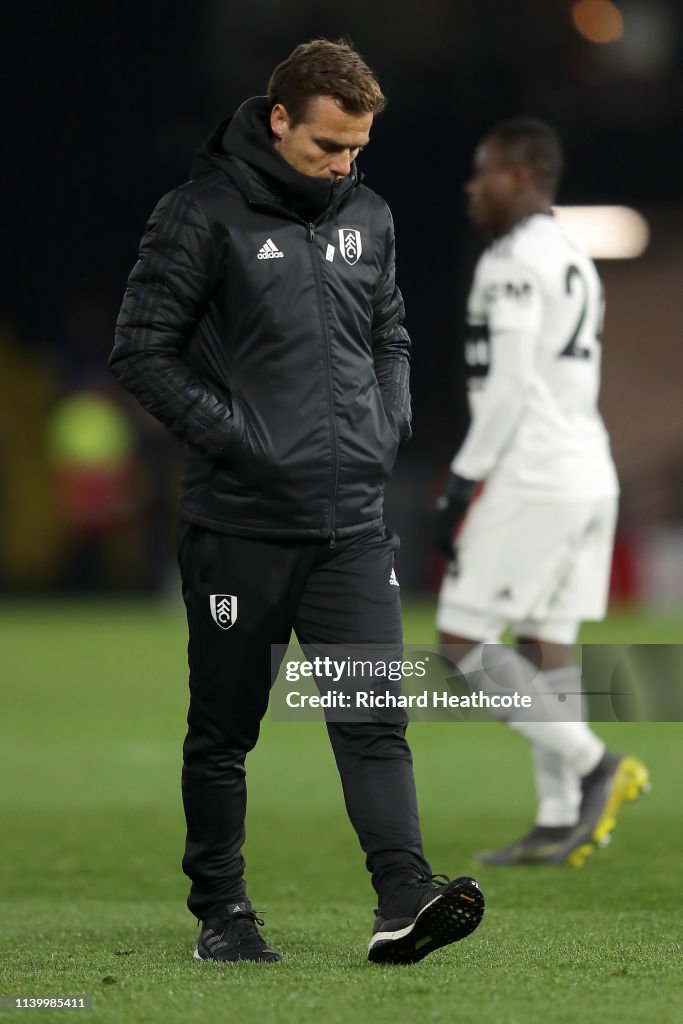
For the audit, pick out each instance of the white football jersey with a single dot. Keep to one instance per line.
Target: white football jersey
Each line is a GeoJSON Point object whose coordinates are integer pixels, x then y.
{"type": "Point", "coordinates": [533, 362]}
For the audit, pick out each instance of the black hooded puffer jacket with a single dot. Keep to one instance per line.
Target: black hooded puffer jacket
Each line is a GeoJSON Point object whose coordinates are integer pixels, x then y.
{"type": "Point", "coordinates": [262, 326]}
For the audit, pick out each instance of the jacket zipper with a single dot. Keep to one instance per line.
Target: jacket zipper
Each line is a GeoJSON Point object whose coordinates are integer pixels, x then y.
{"type": "Point", "coordinates": [328, 365]}
{"type": "Point", "coordinates": [321, 299]}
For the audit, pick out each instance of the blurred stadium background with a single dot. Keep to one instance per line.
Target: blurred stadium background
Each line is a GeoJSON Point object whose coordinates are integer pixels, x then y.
{"type": "Point", "coordinates": [107, 102]}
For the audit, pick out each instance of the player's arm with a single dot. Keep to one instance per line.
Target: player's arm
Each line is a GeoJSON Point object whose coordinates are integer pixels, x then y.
{"type": "Point", "coordinates": [514, 321]}
{"type": "Point", "coordinates": [165, 297]}
{"type": "Point", "coordinates": [391, 344]}
{"type": "Point", "coordinates": [500, 405]}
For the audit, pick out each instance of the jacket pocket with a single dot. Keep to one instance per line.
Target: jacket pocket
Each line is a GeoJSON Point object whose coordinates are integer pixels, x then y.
{"type": "Point", "coordinates": [390, 437]}
{"type": "Point", "coordinates": [248, 457]}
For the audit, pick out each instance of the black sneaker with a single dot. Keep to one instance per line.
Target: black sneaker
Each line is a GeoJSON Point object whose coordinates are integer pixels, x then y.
{"type": "Point", "coordinates": [544, 844]}
{"type": "Point", "coordinates": [417, 920]}
{"type": "Point", "coordinates": [232, 935]}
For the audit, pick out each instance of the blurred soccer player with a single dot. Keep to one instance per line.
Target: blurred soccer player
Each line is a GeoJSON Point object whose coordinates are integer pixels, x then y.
{"type": "Point", "coordinates": [262, 325]}
{"type": "Point", "coordinates": [535, 548]}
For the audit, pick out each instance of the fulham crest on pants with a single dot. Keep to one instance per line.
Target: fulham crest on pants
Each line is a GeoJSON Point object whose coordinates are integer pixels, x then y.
{"type": "Point", "coordinates": [224, 610]}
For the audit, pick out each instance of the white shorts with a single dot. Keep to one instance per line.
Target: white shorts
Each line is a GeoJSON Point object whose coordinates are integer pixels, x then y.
{"type": "Point", "coordinates": [542, 567]}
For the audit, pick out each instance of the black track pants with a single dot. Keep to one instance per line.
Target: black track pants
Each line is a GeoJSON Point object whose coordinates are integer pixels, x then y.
{"type": "Point", "coordinates": [339, 595]}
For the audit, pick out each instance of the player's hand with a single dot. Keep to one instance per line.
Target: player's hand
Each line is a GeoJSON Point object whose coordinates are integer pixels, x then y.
{"type": "Point", "coordinates": [450, 507]}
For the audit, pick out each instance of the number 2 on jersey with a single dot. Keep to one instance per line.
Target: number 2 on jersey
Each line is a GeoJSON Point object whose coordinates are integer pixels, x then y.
{"type": "Point", "coordinates": [573, 350]}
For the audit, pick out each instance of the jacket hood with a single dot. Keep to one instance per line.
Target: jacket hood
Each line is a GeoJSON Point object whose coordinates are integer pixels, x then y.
{"type": "Point", "coordinates": [243, 144]}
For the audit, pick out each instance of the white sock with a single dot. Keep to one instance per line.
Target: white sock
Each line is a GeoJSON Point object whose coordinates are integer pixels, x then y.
{"type": "Point", "coordinates": [495, 668]}
{"type": "Point", "coordinates": [575, 742]}
{"type": "Point", "coordinates": [558, 789]}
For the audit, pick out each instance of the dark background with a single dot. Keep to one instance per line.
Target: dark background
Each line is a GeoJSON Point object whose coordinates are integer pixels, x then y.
{"type": "Point", "coordinates": [107, 102]}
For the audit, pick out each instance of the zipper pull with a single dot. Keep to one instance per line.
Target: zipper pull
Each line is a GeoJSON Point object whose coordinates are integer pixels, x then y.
{"type": "Point", "coordinates": [332, 540]}
{"type": "Point", "coordinates": [311, 233]}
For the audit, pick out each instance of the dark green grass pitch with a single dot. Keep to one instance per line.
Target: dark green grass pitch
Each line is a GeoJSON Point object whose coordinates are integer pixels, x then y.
{"type": "Point", "coordinates": [93, 704]}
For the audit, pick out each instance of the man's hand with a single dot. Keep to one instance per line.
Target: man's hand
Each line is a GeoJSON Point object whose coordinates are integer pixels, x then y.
{"type": "Point", "coordinates": [449, 509]}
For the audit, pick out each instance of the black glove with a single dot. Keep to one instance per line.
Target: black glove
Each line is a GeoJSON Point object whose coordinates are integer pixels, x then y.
{"type": "Point", "coordinates": [449, 509]}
